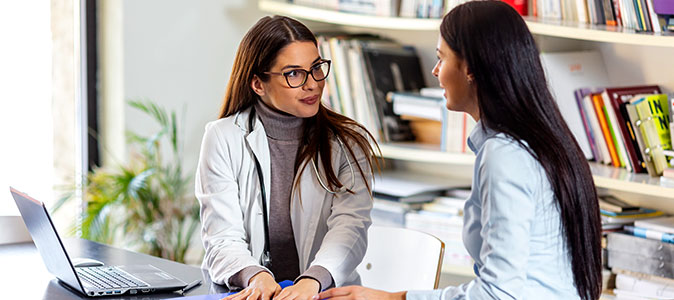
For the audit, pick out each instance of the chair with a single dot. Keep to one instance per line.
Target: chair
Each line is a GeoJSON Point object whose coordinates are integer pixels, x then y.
{"type": "Point", "coordinates": [399, 259]}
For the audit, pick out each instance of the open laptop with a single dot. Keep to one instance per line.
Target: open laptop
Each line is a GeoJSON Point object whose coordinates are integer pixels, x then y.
{"type": "Point", "coordinates": [91, 281]}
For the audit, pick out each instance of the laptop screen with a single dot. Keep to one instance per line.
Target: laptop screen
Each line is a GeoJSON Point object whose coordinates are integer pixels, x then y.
{"type": "Point", "coordinates": [46, 239]}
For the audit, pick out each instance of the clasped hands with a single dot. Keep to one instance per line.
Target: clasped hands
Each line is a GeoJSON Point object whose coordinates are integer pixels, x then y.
{"type": "Point", "coordinates": [263, 287]}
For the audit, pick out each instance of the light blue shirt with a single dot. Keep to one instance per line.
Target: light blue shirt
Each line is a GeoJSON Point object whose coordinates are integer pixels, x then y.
{"type": "Point", "coordinates": [512, 228]}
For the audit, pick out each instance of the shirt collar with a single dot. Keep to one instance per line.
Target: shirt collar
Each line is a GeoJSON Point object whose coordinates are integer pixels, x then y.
{"type": "Point", "coordinates": [479, 135]}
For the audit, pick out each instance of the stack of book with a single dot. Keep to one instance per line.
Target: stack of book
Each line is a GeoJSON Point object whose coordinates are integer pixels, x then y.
{"type": "Point", "coordinates": [626, 127]}
{"type": "Point", "coordinates": [615, 213]}
{"type": "Point", "coordinates": [397, 193]}
{"type": "Point", "coordinates": [431, 121]}
{"type": "Point", "coordinates": [443, 218]}
{"type": "Point", "coordinates": [642, 258]}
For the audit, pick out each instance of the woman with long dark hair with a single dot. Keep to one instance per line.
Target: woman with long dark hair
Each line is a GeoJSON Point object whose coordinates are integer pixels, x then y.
{"type": "Point", "coordinates": [532, 221]}
{"type": "Point", "coordinates": [284, 183]}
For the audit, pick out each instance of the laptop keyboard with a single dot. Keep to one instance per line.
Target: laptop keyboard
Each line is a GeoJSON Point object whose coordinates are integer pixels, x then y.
{"type": "Point", "coordinates": [108, 278]}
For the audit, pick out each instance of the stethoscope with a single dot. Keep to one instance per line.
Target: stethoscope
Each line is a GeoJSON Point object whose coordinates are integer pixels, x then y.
{"type": "Point", "coordinates": [265, 259]}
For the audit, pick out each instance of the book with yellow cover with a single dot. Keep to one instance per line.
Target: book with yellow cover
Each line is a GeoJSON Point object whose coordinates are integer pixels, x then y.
{"type": "Point", "coordinates": [653, 114]}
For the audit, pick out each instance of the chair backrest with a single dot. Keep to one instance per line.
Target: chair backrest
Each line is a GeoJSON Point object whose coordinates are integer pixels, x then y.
{"type": "Point", "coordinates": [399, 259]}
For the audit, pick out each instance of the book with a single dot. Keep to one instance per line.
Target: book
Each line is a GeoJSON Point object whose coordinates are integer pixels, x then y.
{"type": "Point", "coordinates": [579, 94]}
{"type": "Point", "coordinates": [640, 211]}
{"type": "Point", "coordinates": [363, 96]}
{"type": "Point", "coordinates": [599, 140]}
{"type": "Point", "coordinates": [643, 288]}
{"type": "Point", "coordinates": [427, 116]}
{"type": "Point", "coordinates": [412, 187]}
{"type": "Point", "coordinates": [650, 234]}
{"type": "Point", "coordinates": [640, 247]}
{"type": "Point", "coordinates": [641, 255]}
{"type": "Point", "coordinates": [611, 203]}
{"type": "Point", "coordinates": [665, 224]}
{"type": "Point", "coordinates": [629, 218]}
{"type": "Point", "coordinates": [392, 67]}
{"type": "Point", "coordinates": [634, 126]}
{"type": "Point", "coordinates": [608, 137]}
{"type": "Point", "coordinates": [671, 113]}
{"type": "Point", "coordinates": [658, 105]}
{"type": "Point", "coordinates": [647, 264]}
{"type": "Point", "coordinates": [566, 72]}
{"type": "Point", "coordinates": [391, 213]}
{"type": "Point", "coordinates": [618, 142]}
{"type": "Point", "coordinates": [643, 276]}
{"type": "Point", "coordinates": [417, 105]}
{"type": "Point", "coordinates": [668, 173]}
{"type": "Point", "coordinates": [654, 125]}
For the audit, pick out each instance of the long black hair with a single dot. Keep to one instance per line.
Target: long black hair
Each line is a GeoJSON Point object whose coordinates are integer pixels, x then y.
{"type": "Point", "coordinates": [513, 98]}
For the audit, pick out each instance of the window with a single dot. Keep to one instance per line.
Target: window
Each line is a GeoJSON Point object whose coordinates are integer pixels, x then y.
{"type": "Point", "coordinates": [26, 123]}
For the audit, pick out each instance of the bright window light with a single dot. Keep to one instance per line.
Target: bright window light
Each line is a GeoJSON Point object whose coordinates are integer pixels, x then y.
{"type": "Point", "coordinates": [26, 130]}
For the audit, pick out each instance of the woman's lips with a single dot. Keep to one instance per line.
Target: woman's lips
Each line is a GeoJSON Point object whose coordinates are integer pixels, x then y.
{"type": "Point", "coordinates": [309, 100]}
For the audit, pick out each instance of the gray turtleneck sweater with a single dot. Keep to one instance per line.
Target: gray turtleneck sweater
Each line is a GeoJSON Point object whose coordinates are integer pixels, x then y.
{"type": "Point", "coordinates": [283, 133]}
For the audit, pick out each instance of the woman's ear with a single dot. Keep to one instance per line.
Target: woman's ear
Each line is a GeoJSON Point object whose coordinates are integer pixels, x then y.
{"type": "Point", "coordinates": [469, 74]}
{"type": "Point", "coordinates": [257, 86]}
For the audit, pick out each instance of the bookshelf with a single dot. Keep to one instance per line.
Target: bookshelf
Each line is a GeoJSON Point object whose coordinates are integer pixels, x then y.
{"type": "Point", "coordinates": [610, 178]}
{"type": "Point", "coordinates": [552, 28]}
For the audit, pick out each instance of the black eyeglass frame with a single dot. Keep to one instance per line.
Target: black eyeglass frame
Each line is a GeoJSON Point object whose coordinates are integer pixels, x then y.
{"type": "Point", "coordinates": [306, 76]}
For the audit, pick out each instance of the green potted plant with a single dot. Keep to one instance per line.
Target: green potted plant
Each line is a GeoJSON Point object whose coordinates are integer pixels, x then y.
{"type": "Point", "coordinates": [144, 203]}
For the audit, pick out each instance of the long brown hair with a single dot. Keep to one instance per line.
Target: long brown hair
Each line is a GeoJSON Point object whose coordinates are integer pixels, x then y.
{"type": "Point", "coordinates": [513, 98]}
{"type": "Point", "coordinates": [257, 54]}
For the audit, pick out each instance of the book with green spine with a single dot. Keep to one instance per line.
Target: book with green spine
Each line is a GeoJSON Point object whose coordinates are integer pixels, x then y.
{"type": "Point", "coordinates": [653, 113]}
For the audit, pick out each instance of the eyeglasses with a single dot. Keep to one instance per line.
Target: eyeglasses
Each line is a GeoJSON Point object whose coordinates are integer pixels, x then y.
{"type": "Point", "coordinates": [298, 77]}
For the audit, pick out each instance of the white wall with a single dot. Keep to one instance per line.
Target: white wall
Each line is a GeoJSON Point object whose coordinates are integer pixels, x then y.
{"type": "Point", "coordinates": [179, 53]}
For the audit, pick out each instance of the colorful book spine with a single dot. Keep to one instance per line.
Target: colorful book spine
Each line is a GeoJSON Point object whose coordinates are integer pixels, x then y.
{"type": "Point", "coordinates": [650, 234]}
{"type": "Point", "coordinates": [600, 143]}
{"type": "Point", "coordinates": [613, 127]}
{"type": "Point", "coordinates": [579, 93]}
{"type": "Point", "coordinates": [599, 109]}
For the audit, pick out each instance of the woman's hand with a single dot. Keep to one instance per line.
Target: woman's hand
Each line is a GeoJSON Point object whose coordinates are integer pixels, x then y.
{"type": "Point", "coordinates": [305, 289]}
{"type": "Point", "coordinates": [360, 293]}
{"type": "Point", "coordinates": [261, 286]}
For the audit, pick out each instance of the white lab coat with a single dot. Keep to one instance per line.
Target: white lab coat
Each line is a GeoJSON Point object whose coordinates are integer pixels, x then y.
{"type": "Point", "coordinates": [330, 231]}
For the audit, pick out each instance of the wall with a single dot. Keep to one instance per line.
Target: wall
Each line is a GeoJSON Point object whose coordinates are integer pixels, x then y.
{"type": "Point", "coordinates": [179, 54]}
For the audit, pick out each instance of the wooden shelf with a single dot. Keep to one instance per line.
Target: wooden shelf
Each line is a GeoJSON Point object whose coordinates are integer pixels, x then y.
{"type": "Point", "coordinates": [617, 179]}
{"type": "Point", "coordinates": [562, 29]}
{"type": "Point", "coordinates": [344, 18]}
{"type": "Point", "coordinates": [598, 33]}
{"type": "Point", "coordinates": [424, 153]}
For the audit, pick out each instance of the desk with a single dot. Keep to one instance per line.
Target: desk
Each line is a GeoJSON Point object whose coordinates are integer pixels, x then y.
{"type": "Point", "coordinates": [23, 274]}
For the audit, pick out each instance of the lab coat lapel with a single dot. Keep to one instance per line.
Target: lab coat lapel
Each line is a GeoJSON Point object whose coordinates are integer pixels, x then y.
{"type": "Point", "coordinates": [258, 144]}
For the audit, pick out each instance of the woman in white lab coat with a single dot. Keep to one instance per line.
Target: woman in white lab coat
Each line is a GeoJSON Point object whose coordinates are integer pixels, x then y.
{"type": "Point", "coordinates": [278, 155]}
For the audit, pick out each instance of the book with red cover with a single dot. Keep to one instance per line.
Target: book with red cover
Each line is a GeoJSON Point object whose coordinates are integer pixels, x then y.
{"type": "Point", "coordinates": [618, 96]}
